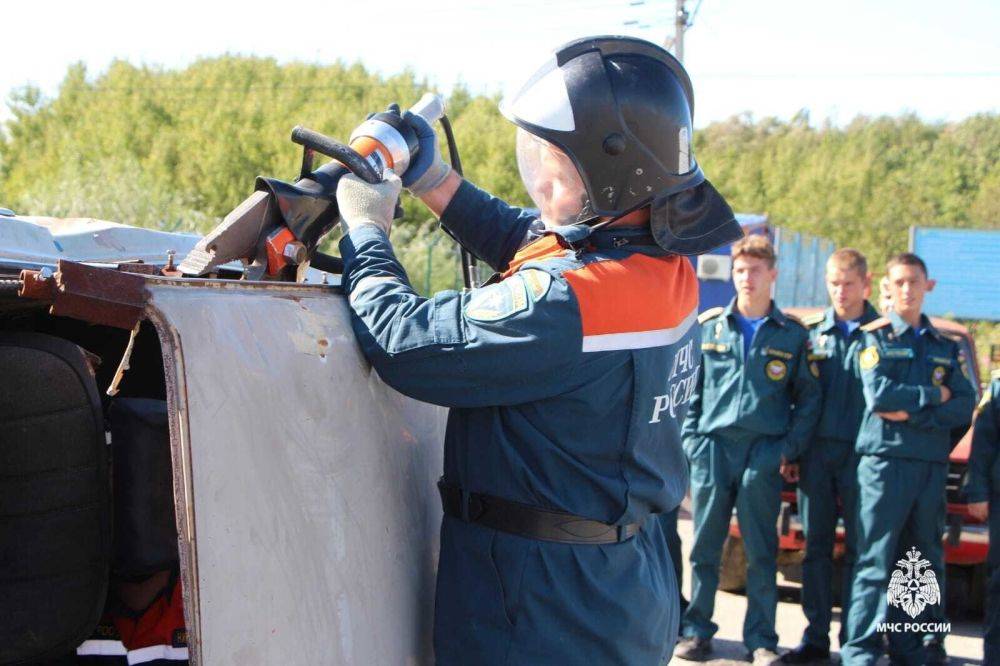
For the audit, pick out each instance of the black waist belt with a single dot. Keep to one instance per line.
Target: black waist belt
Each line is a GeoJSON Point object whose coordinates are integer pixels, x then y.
{"type": "Point", "coordinates": [529, 521]}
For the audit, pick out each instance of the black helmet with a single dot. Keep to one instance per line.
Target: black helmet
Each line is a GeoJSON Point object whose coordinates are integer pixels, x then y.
{"type": "Point", "coordinates": [620, 109]}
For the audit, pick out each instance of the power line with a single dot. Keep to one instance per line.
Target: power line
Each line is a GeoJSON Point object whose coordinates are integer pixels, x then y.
{"type": "Point", "coordinates": [694, 14]}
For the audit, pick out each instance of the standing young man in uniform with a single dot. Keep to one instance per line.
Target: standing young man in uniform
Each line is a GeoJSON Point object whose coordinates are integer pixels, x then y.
{"type": "Point", "coordinates": [751, 416]}
{"type": "Point", "coordinates": [567, 377]}
{"type": "Point", "coordinates": [828, 483]}
{"type": "Point", "coordinates": [982, 492]}
{"type": "Point", "coordinates": [915, 393]}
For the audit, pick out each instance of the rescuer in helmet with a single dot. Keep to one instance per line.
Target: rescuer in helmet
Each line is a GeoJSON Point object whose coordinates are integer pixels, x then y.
{"type": "Point", "coordinates": [568, 374]}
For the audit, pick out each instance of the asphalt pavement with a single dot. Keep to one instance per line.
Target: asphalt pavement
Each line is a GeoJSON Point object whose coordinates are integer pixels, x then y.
{"type": "Point", "coordinates": [964, 644]}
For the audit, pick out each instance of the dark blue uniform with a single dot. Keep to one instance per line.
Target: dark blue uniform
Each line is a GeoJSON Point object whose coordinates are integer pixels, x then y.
{"type": "Point", "coordinates": [902, 471]}
{"type": "Point", "coordinates": [983, 485]}
{"type": "Point", "coordinates": [828, 474]}
{"type": "Point", "coordinates": [746, 413]}
{"type": "Point", "coordinates": [567, 381]}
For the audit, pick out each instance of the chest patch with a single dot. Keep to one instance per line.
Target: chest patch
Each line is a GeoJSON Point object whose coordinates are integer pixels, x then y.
{"type": "Point", "coordinates": [898, 352]}
{"type": "Point", "coordinates": [776, 370]}
{"type": "Point", "coordinates": [780, 353]}
{"type": "Point", "coordinates": [714, 346]}
{"type": "Point", "coordinates": [938, 375]}
{"type": "Point", "coordinates": [498, 301]}
{"type": "Point", "coordinates": [869, 358]}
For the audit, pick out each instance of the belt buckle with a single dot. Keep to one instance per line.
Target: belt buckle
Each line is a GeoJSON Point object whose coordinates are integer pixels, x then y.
{"type": "Point", "coordinates": [464, 501]}
{"type": "Point", "coordinates": [472, 506]}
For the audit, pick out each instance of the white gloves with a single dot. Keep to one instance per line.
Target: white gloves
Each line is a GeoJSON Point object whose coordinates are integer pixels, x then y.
{"type": "Point", "coordinates": [361, 203]}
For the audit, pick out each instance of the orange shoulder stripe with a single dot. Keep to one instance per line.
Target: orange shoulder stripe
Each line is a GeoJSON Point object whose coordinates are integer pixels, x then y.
{"type": "Point", "coordinates": [635, 294]}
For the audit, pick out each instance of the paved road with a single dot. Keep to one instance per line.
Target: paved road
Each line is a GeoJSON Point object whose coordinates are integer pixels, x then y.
{"type": "Point", "coordinates": [964, 645]}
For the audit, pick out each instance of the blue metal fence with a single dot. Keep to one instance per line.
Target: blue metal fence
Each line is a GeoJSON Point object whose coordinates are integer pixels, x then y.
{"type": "Point", "coordinates": [966, 265]}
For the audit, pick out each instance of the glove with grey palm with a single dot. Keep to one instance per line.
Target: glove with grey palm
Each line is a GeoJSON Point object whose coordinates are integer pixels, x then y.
{"type": "Point", "coordinates": [428, 170]}
{"type": "Point", "coordinates": [362, 203]}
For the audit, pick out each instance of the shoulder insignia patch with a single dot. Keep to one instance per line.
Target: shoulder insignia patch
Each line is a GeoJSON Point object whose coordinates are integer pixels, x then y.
{"type": "Point", "coordinates": [963, 363]}
{"type": "Point", "coordinates": [814, 319]}
{"type": "Point", "coordinates": [876, 324]}
{"type": "Point", "coordinates": [497, 301]}
{"type": "Point", "coordinates": [711, 313]}
{"type": "Point", "coordinates": [537, 282]}
{"type": "Point", "coordinates": [869, 358]}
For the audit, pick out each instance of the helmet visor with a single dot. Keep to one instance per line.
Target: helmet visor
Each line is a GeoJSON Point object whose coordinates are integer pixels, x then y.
{"type": "Point", "coordinates": [552, 180]}
{"type": "Point", "coordinates": [543, 101]}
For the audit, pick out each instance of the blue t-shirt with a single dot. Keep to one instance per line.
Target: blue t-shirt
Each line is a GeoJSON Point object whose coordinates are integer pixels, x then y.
{"type": "Point", "coordinates": [847, 326]}
{"type": "Point", "coordinates": [748, 329]}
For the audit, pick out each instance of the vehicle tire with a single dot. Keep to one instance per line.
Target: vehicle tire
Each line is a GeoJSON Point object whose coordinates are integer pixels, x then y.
{"type": "Point", "coordinates": [733, 569]}
{"type": "Point", "coordinates": [965, 591]}
{"type": "Point", "coordinates": [975, 604]}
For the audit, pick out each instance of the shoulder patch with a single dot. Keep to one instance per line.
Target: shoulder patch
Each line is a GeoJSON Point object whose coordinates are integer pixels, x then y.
{"type": "Point", "coordinates": [711, 313]}
{"type": "Point", "coordinates": [876, 324]}
{"type": "Point", "coordinates": [814, 319]}
{"type": "Point", "coordinates": [869, 358]}
{"type": "Point", "coordinates": [985, 402]}
{"type": "Point", "coordinates": [536, 281]}
{"type": "Point", "coordinates": [497, 301]}
{"type": "Point", "coordinates": [791, 317]}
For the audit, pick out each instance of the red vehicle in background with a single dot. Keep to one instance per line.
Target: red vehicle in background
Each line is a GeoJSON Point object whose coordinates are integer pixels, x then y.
{"type": "Point", "coordinates": [966, 540]}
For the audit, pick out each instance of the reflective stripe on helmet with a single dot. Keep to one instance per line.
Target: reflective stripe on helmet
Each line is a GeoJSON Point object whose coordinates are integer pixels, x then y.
{"type": "Point", "coordinates": [543, 100]}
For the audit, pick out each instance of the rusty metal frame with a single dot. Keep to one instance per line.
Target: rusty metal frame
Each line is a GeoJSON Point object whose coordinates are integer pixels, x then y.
{"type": "Point", "coordinates": [117, 297]}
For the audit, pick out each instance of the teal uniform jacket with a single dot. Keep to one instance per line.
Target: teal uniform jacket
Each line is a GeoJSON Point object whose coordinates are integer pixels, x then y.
{"type": "Point", "coordinates": [982, 485]}
{"type": "Point", "coordinates": [983, 481]}
{"type": "Point", "coordinates": [745, 415]}
{"type": "Point", "coordinates": [902, 472]}
{"type": "Point", "coordinates": [834, 359]}
{"type": "Point", "coordinates": [828, 476]}
{"type": "Point", "coordinates": [567, 380]}
{"type": "Point", "coordinates": [903, 371]}
{"type": "Point", "coordinates": [741, 399]}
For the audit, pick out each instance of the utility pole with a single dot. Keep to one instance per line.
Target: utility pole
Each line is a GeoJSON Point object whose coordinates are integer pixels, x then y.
{"type": "Point", "coordinates": [680, 25]}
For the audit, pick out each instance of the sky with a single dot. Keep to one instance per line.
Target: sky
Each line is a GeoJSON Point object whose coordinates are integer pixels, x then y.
{"type": "Point", "coordinates": [940, 60]}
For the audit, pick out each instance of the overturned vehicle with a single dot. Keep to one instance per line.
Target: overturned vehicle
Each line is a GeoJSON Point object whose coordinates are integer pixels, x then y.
{"type": "Point", "coordinates": [215, 449]}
